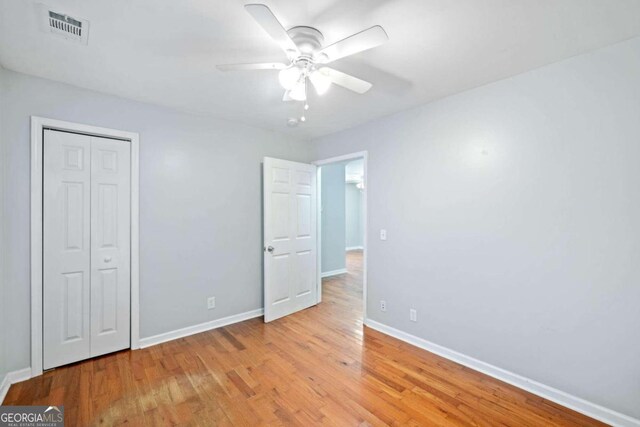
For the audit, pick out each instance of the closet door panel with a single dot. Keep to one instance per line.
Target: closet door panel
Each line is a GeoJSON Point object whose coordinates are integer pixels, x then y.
{"type": "Point", "coordinates": [66, 248]}
{"type": "Point", "coordinates": [110, 245]}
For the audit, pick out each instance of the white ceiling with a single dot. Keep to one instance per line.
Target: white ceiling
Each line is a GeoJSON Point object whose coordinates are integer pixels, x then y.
{"type": "Point", "coordinates": [165, 51]}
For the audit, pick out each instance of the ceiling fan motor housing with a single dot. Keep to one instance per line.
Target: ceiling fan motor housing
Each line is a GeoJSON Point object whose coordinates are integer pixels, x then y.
{"type": "Point", "coordinates": [308, 39]}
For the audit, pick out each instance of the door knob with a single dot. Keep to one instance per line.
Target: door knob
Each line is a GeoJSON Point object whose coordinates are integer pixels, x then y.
{"type": "Point", "coordinates": [107, 259]}
{"type": "Point", "coordinates": [270, 249]}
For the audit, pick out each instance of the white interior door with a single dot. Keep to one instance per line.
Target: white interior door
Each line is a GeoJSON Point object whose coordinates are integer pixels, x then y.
{"type": "Point", "coordinates": [86, 252]}
{"type": "Point", "coordinates": [290, 235]}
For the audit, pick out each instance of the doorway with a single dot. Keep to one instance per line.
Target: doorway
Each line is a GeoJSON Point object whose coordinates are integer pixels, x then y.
{"type": "Point", "coordinates": [342, 235]}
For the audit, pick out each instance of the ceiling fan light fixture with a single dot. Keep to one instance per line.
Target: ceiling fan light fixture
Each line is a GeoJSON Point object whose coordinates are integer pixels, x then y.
{"type": "Point", "coordinates": [289, 77]}
{"type": "Point", "coordinates": [321, 81]}
{"type": "Point", "coordinates": [299, 91]}
{"type": "Point", "coordinates": [308, 56]}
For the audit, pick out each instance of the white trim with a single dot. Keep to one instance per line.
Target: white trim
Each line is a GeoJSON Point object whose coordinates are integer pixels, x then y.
{"type": "Point", "coordinates": [354, 248]}
{"type": "Point", "coordinates": [337, 159]}
{"type": "Point", "coordinates": [560, 397]}
{"type": "Point", "coordinates": [37, 126]}
{"type": "Point", "coordinates": [11, 378]}
{"type": "Point", "coordinates": [318, 235]}
{"type": "Point", "coordinates": [202, 327]}
{"type": "Point", "coordinates": [135, 241]}
{"type": "Point", "coordinates": [358, 155]}
{"type": "Point", "coordinates": [333, 272]}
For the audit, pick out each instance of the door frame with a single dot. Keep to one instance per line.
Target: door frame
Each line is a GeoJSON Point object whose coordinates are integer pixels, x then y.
{"type": "Point", "coordinates": [353, 156]}
{"type": "Point", "coordinates": [38, 125]}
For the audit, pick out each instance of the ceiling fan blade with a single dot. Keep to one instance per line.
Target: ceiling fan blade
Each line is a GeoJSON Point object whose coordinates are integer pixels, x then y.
{"type": "Point", "coordinates": [248, 67]}
{"type": "Point", "coordinates": [286, 97]}
{"type": "Point", "coordinates": [347, 81]}
{"type": "Point", "coordinates": [267, 20]}
{"type": "Point", "coordinates": [367, 39]}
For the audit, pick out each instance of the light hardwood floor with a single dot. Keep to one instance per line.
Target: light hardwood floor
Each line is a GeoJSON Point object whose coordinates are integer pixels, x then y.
{"type": "Point", "coordinates": [315, 367]}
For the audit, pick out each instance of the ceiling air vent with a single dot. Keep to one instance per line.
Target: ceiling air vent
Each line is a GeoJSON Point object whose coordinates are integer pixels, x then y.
{"type": "Point", "coordinates": [66, 26]}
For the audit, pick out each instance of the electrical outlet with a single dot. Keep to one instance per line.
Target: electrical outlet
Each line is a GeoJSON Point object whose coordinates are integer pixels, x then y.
{"type": "Point", "coordinates": [211, 303]}
{"type": "Point", "coordinates": [413, 315]}
{"type": "Point", "coordinates": [383, 305]}
{"type": "Point", "coordinates": [383, 234]}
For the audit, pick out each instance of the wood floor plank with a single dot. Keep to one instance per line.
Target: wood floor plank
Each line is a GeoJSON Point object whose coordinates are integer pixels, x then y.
{"type": "Point", "coordinates": [316, 367]}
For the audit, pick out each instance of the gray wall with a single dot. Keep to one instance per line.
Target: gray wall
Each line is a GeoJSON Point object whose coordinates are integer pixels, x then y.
{"type": "Point", "coordinates": [353, 216]}
{"type": "Point", "coordinates": [513, 218]}
{"type": "Point", "coordinates": [200, 205]}
{"type": "Point", "coordinates": [3, 309]}
{"type": "Point", "coordinates": [333, 220]}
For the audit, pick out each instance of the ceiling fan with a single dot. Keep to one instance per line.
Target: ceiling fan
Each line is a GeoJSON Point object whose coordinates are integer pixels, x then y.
{"type": "Point", "coordinates": [307, 56]}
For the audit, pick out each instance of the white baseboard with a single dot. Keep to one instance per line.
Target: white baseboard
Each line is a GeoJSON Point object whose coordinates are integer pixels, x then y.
{"type": "Point", "coordinates": [333, 272]}
{"type": "Point", "coordinates": [354, 248]}
{"type": "Point", "coordinates": [202, 327]}
{"type": "Point", "coordinates": [12, 378]}
{"type": "Point", "coordinates": [577, 404]}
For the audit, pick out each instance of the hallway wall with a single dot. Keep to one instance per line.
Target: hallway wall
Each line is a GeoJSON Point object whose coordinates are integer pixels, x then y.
{"type": "Point", "coordinates": [354, 217]}
{"type": "Point", "coordinates": [333, 224]}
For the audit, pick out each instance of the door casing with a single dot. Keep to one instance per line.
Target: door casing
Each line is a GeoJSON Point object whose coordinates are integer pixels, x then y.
{"type": "Point", "coordinates": [38, 124]}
